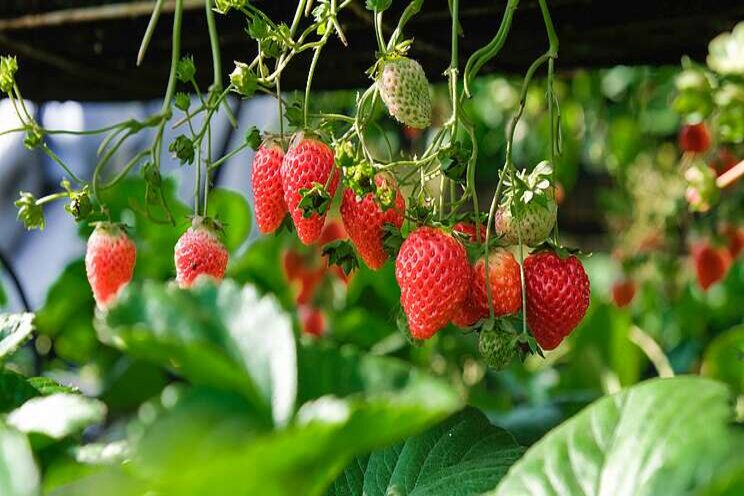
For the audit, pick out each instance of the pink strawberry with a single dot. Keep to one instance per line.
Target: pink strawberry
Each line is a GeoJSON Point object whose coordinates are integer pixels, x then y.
{"type": "Point", "coordinates": [506, 289]}
{"type": "Point", "coordinates": [364, 220]}
{"type": "Point", "coordinates": [308, 163]}
{"type": "Point", "coordinates": [468, 230]}
{"type": "Point", "coordinates": [557, 296]}
{"type": "Point", "coordinates": [433, 273]}
{"type": "Point", "coordinates": [267, 187]}
{"type": "Point", "coordinates": [199, 252]}
{"type": "Point", "coordinates": [109, 262]}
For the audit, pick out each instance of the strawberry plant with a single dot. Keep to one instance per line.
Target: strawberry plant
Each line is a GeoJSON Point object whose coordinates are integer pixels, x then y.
{"type": "Point", "coordinates": [320, 357]}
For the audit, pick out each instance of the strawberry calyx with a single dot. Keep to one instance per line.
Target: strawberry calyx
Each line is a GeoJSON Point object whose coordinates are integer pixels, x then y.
{"type": "Point", "coordinates": [208, 224]}
{"type": "Point", "coordinates": [562, 251]}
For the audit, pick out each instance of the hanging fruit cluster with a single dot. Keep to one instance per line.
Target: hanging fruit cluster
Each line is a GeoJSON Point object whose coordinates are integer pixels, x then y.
{"type": "Point", "coordinates": [497, 272]}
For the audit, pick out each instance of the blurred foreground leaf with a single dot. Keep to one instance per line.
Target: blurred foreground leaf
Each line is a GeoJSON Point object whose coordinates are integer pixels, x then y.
{"type": "Point", "coordinates": [18, 473]}
{"type": "Point", "coordinates": [57, 415]}
{"type": "Point", "coordinates": [15, 329]}
{"type": "Point", "coordinates": [663, 436]}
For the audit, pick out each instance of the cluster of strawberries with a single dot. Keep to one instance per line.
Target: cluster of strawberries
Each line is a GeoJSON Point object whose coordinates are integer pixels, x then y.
{"type": "Point", "coordinates": [437, 281]}
{"type": "Point", "coordinates": [111, 256]}
{"type": "Point", "coordinates": [711, 260]}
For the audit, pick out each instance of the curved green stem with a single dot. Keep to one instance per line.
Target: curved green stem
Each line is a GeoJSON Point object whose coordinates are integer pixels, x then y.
{"type": "Point", "coordinates": [149, 31]}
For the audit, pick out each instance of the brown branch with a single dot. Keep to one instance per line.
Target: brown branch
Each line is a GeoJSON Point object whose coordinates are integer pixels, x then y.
{"type": "Point", "coordinates": [90, 14]}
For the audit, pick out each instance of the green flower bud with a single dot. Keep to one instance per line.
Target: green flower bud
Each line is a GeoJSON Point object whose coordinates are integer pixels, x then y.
{"type": "Point", "coordinates": [223, 6]}
{"type": "Point", "coordinates": [29, 212]}
{"type": "Point", "coordinates": [182, 102]}
{"type": "Point", "coordinates": [185, 69]}
{"type": "Point", "coordinates": [243, 79]}
{"type": "Point", "coordinates": [8, 68]}
{"type": "Point", "coordinates": [183, 149]}
{"type": "Point", "coordinates": [80, 205]}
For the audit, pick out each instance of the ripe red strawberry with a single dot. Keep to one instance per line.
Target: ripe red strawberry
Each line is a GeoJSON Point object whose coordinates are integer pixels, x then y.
{"type": "Point", "coordinates": [711, 264]}
{"type": "Point", "coordinates": [267, 187]}
{"type": "Point", "coordinates": [307, 163]}
{"type": "Point", "coordinates": [694, 138]}
{"type": "Point", "coordinates": [623, 292]}
{"type": "Point", "coordinates": [198, 252]}
{"type": "Point", "coordinates": [309, 280]}
{"type": "Point", "coordinates": [292, 262]}
{"type": "Point", "coordinates": [433, 273]}
{"type": "Point", "coordinates": [557, 296]}
{"type": "Point", "coordinates": [735, 237]}
{"type": "Point", "coordinates": [723, 161]}
{"type": "Point", "coordinates": [506, 289]}
{"type": "Point", "coordinates": [109, 262]}
{"type": "Point", "coordinates": [312, 320]}
{"type": "Point", "coordinates": [467, 230]}
{"type": "Point", "coordinates": [364, 220]}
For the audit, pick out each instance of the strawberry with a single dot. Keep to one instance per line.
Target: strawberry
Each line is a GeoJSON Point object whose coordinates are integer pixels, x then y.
{"type": "Point", "coordinates": [309, 280]}
{"type": "Point", "coordinates": [467, 230]}
{"type": "Point", "coordinates": [711, 263]}
{"type": "Point", "coordinates": [723, 161]}
{"type": "Point", "coordinates": [405, 90]}
{"type": "Point", "coordinates": [267, 187]}
{"type": "Point", "coordinates": [694, 138]}
{"type": "Point", "coordinates": [735, 237]}
{"type": "Point", "coordinates": [307, 164]}
{"type": "Point", "coordinates": [292, 262]}
{"type": "Point", "coordinates": [364, 219]}
{"type": "Point", "coordinates": [497, 347]}
{"type": "Point", "coordinates": [557, 296]}
{"type": "Point", "coordinates": [433, 273]}
{"type": "Point", "coordinates": [199, 251]}
{"type": "Point", "coordinates": [312, 320]}
{"type": "Point", "coordinates": [529, 210]}
{"type": "Point", "coordinates": [109, 262]}
{"type": "Point", "coordinates": [623, 291]}
{"type": "Point", "coordinates": [506, 289]}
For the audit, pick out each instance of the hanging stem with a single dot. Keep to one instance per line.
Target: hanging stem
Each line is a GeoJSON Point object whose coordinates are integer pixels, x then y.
{"type": "Point", "coordinates": [149, 31]}
{"type": "Point", "coordinates": [311, 73]}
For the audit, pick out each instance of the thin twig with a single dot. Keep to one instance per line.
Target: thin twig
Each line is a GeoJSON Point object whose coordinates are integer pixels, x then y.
{"type": "Point", "coordinates": [652, 350]}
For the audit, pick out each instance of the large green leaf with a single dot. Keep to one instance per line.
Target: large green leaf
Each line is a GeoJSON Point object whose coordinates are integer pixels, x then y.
{"type": "Point", "coordinates": [723, 359]}
{"type": "Point", "coordinates": [224, 336]}
{"type": "Point", "coordinates": [18, 473]}
{"type": "Point", "coordinates": [16, 389]}
{"type": "Point", "coordinates": [464, 455]}
{"type": "Point", "coordinates": [15, 329]}
{"type": "Point", "coordinates": [57, 415]}
{"type": "Point", "coordinates": [663, 436]}
{"type": "Point", "coordinates": [231, 451]}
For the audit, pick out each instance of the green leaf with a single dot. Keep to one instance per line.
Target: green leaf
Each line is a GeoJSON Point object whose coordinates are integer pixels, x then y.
{"type": "Point", "coordinates": [723, 359]}
{"type": "Point", "coordinates": [663, 436]}
{"type": "Point", "coordinates": [15, 329]}
{"type": "Point", "coordinates": [341, 253]}
{"type": "Point", "coordinates": [232, 208]}
{"type": "Point", "coordinates": [378, 5]}
{"type": "Point", "coordinates": [226, 337]}
{"type": "Point", "coordinates": [14, 390]}
{"type": "Point", "coordinates": [57, 415]}
{"type": "Point", "coordinates": [18, 473]}
{"type": "Point", "coordinates": [463, 455]}
{"type": "Point", "coordinates": [230, 451]}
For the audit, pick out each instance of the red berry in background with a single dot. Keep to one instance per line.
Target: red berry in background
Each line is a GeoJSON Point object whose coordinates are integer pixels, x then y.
{"type": "Point", "coordinates": [309, 280]}
{"type": "Point", "coordinates": [694, 138]}
{"type": "Point", "coordinates": [332, 231]}
{"type": "Point", "coordinates": [267, 187]}
{"type": "Point", "coordinates": [433, 273]}
{"type": "Point", "coordinates": [364, 220]}
{"type": "Point", "coordinates": [109, 262]}
{"type": "Point", "coordinates": [307, 163]}
{"type": "Point", "coordinates": [735, 237]}
{"type": "Point", "coordinates": [506, 289]}
{"type": "Point", "coordinates": [623, 292]}
{"type": "Point", "coordinates": [560, 193]}
{"type": "Point", "coordinates": [312, 320]}
{"type": "Point", "coordinates": [711, 263]}
{"type": "Point", "coordinates": [468, 230]}
{"type": "Point", "coordinates": [292, 262]}
{"type": "Point", "coordinates": [723, 161]}
{"type": "Point", "coordinates": [199, 251]}
{"type": "Point", "coordinates": [557, 296]}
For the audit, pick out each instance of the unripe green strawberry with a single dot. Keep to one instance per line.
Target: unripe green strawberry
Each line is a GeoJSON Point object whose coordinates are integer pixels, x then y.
{"type": "Point", "coordinates": [109, 262]}
{"type": "Point", "coordinates": [405, 90]}
{"type": "Point", "coordinates": [497, 347]}
{"type": "Point", "coordinates": [199, 252]}
{"type": "Point", "coordinates": [433, 273]}
{"type": "Point", "coordinates": [529, 211]}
